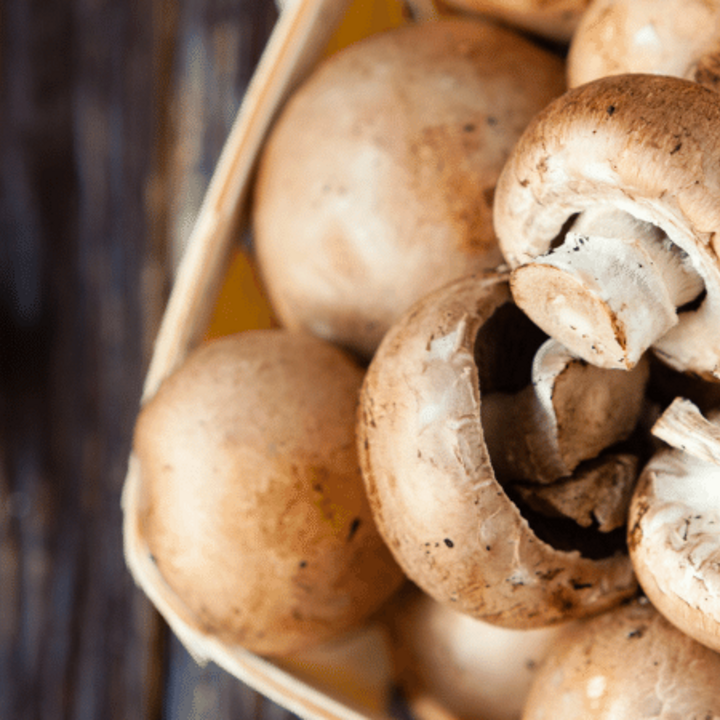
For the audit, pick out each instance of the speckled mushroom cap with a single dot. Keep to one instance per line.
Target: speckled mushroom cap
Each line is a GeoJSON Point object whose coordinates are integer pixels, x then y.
{"type": "Point", "coordinates": [555, 20]}
{"type": "Point", "coordinates": [626, 664]}
{"type": "Point", "coordinates": [376, 183]}
{"type": "Point", "coordinates": [664, 37]}
{"type": "Point", "coordinates": [674, 541]}
{"type": "Point", "coordinates": [643, 144]}
{"type": "Point", "coordinates": [251, 499]}
{"type": "Point", "coordinates": [431, 485]}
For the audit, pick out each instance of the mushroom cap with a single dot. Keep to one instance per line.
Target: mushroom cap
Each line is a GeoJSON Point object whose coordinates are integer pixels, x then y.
{"type": "Point", "coordinates": [555, 20]}
{"type": "Point", "coordinates": [476, 670]}
{"type": "Point", "coordinates": [643, 144]}
{"type": "Point", "coordinates": [431, 485]}
{"type": "Point", "coordinates": [663, 37]}
{"type": "Point", "coordinates": [674, 541]}
{"type": "Point", "coordinates": [376, 182]}
{"type": "Point", "coordinates": [251, 498]}
{"type": "Point", "coordinates": [625, 664]}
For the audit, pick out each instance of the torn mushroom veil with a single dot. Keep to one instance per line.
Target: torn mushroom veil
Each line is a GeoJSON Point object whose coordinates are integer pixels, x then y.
{"type": "Point", "coordinates": [436, 499]}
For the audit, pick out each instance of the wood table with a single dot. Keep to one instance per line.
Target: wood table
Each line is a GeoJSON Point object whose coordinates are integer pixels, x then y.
{"type": "Point", "coordinates": [112, 116]}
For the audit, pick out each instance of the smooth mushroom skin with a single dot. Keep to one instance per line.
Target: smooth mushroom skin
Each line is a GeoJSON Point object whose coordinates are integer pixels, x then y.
{"type": "Point", "coordinates": [469, 668]}
{"type": "Point", "coordinates": [626, 664]}
{"type": "Point", "coordinates": [435, 498]}
{"type": "Point", "coordinates": [639, 144]}
{"type": "Point", "coordinates": [376, 183]}
{"type": "Point", "coordinates": [554, 20]}
{"type": "Point", "coordinates": [664, 37]}
{"type": "Point", "coordinates": [251, 499]}
{"type": "Point", "coordinates": [674, 535]}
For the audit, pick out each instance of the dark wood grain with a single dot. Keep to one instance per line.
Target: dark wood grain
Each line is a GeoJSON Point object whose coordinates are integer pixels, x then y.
{"type": "Point", "coordinates": [112, 115]}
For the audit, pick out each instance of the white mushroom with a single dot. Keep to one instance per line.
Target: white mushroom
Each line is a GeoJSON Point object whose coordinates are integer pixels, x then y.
{"type": "Point", "coordinates": [435, 497]}
{"type": "Point", "coordinates": [626, 664]}
{"type": "Point", "coordinates": [674, 523]}
{"type": "Point", "coordinates": [608, 211]}
{"type": "Point", "coordinates": [664, 37]}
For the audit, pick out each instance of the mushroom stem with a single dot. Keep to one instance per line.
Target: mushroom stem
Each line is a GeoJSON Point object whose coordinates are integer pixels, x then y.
{"type": "Point", "coordinates": [610, 290]}
{"type": "Point", "coordinates": [569, 413]}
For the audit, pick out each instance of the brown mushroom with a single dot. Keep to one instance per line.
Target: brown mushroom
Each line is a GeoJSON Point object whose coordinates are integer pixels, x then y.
{"type": "Point", "coordinates": [674, 523]}
{"type": "Point", "coordinates": [251, 498]}
{"type": "Point", "coordinates": [608, 211]}
{"type": "Point", "coordinates": [435, 497]}
{"type": "Point", "coordinates": [447, 662]}
{"type": "Point", "coordinates": [663, 37]}
{"type": "Point", "coordinates": [626, 664]}
{"type": "Point", "coordinates": [376, 183]}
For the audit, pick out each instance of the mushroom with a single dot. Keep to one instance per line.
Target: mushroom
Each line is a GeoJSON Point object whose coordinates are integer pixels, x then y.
{"type": "Point", "coordinates": [448, 662]}
{"type": "Point", "coordinates": [674, 523]}
{"type": "Point", "coordinates": [449, 522]}
{"type": "Point", "coordinates": [663, 37]}
{"type": "Point", "coordinates": [569, 413]}
{"type": "Point", "coordinates": [376, 182]}
{"type": "Point", "coordinates": [252, 503]}
{"type": "Point", "coordinates": [555, 20]}
{"type": "Point", "coordinates": [608, 210]}
{"type": "Point", "coordinates": [625, 664]}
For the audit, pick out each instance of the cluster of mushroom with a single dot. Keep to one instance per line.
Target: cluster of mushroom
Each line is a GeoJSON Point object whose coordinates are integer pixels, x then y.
{"type": "Point", "coordinates": [607, 214]}
{"type": "Point", "coordinates": [526, 276]}
{"type": "Point", "coordinates": [252, 502]}
{"type": "Point", "coordinates": [528, 540]}
{"type": "Point", "coordinates": [615, 255]}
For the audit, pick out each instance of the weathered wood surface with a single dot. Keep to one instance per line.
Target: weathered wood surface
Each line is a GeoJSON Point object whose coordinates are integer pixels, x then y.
{"type": "Point", "coordinates": [112, 115]}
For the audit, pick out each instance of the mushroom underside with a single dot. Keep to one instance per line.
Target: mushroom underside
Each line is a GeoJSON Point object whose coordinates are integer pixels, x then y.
{"type": "Point", "coordinates": [460, 533]}
{"type": "Point", "coordinates": [571, 512]}
{"type": "Point", "coordinates": [610, 293]}
{"type": "Point", "coordinates": [637, 147]}
{"type": "Point", "coordinates": [674, 523]}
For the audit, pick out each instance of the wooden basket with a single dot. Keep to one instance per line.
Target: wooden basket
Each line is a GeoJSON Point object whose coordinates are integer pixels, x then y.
{"type": "Point", "coordinates": [352, 678]}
